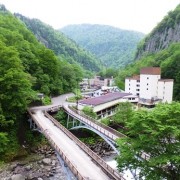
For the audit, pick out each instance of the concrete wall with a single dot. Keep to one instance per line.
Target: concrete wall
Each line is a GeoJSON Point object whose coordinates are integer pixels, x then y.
{"type": "Point", "coordinates": [132, 86]}
{"type": "Point", "coordinates": [149, 86]}
{"type": "Point", "coordinates": [165, 91]}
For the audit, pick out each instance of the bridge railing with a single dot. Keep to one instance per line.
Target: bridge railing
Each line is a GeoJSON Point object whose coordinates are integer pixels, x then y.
{"type": "Point", "coordinates": [63, 155]}
{"type": "Point", "coordinates": [144, 155]}
{"type": "Point", "coordinates": [115, 174]}
{"type": "Point", "coordinates": [109, 129]}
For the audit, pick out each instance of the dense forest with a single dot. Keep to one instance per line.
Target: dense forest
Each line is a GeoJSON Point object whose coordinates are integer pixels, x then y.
{"type": "Point", "coordinates": [167, 58]}
{"type": "Point", "coordinates": [62, 46]}
{"type": "Point", "coordinates": [114, 47]}
{"type": "Point", "coordinates": [27, 67]}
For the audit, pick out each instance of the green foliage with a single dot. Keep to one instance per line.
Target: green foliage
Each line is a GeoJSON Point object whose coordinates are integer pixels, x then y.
{"type": "Point", "coordinates": [89, 112]}
{"type": "Point", "coordinates": [167, 59]}
{"type": "Point", "coordinates": [78, 94]}
{"type": "Point", "coordinates": [26, 68]}
{"type": "Point", "coordinates": [3, 142]}
{"type": "Point", "coordinates": [89, 140]}
{"type": "Point", "coordinates": [114, 47]}
{"type": "Point", "coordinates": [123, 112]}
{"type": "Point", "coordinates": [61, 116]}
{"type": "Point", "coordinates": [63, 47]}
{"type": "Point", "coordinates": [108, 73]}
{"type": "Point", "coordinates": [46, 100]}
{"type": "Point", "coordinates": [105, 121]}
{"type": "Point", "coordinates": [156, 132]}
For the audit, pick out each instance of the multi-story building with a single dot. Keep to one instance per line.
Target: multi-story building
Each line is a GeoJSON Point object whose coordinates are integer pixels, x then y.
{"type": "Point", "coordinates": [132, 85]}
{"type": "Point", "coordinates": [149, 86]}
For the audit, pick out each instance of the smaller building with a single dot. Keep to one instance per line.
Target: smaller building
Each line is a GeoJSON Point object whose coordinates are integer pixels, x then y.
{"type": "Point", "coordinates": [165, 89]}
{"type": "Point", "coordinates": [132, 85]}
{"type": "Point", "coordinates": [105, 105]}
{"type": "Point", "coordinates": [98, 82]}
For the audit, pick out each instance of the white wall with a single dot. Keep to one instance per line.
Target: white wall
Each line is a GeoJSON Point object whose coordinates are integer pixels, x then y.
{"type": "Point", "coordinates": [165, 91]}
{"type": "Point", "coordinates": [149, 86]}
{"type": "Point", "coordinates": [132, 86]}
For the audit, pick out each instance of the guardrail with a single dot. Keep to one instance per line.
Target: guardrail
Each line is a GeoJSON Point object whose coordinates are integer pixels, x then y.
{"type": "Point", "coordinates": [54, 108]}
{"type": "Point", "coordinates": [111, 131]}
{"type": "Point", "coordinates": [68, 109]}
{"type": "Point", "coordinates": [115, 174]}
{"type": "Point", "coordinates": [63, 155]}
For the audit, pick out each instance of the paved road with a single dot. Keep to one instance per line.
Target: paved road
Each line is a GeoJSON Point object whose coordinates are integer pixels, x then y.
{"type": "Point", "coordinates": [76, 155]}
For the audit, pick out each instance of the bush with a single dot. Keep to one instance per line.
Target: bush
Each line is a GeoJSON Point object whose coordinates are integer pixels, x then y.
{"type": "Point", "coordinates": [89, 112]}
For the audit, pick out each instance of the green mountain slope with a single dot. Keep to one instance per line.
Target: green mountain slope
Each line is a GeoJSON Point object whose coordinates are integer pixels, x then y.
{"type": "Point", "coordinates": [115, 47]}
{"type": "Point", "coordinates": [62, 46]}
{"type": "Point", "coordinates": [27, 67]}
{"type": "Point", "coordinates": [162, 52]}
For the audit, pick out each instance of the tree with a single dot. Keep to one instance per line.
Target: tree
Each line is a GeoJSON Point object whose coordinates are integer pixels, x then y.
{"type": "Point", "coordinates": [89, 111]}
{"type": "Point", "coordinates": [156, 132]}
{"type": "Point", "coordinates": [123, 112]}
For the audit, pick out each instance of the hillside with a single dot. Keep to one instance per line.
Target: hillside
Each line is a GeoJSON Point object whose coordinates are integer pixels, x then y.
{"type": "Point", "coordinates": [164, 34]}
{"type": "Point", "coordinates": [27, 67]}
{"type": "Point", "coordinates": [63, 47]}
{"type": "Point", "coordinates": [164, 53]}
{"type": "Point", "coordinates": [114, 47]}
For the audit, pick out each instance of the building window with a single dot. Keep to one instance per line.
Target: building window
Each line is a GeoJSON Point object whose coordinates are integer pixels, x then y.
{"type": "Point", "coordinates": [137, 94]}
{"type": "Point", "coordinates": [138, 80]}
{"type": "Point", "coordinates": [147, 84]}
{"type": "Point", "coordinates": [147, 77]}
{"type": "Point", "coordinates": [137, 89]}
{"type": "Point", "coordinates": [147, 89]}
{"type": "Point", "coordinates": [129, 84]}
{"type": "Point", "coordinates": [137, 85]}
{"type": "Point", "coordinates": [129, 88]}
{"type": "Point", "coordinates": [133, 98]}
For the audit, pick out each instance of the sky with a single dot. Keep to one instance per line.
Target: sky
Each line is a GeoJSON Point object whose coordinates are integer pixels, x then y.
{"type": "Point", "coordinates": [137, 15]}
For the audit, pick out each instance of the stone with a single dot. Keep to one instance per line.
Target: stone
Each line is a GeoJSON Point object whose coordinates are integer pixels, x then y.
{"type": "Point", "coordinates": [53, 162]}
{"type": "Point", "coordinates": [46, 161]}
{"type": "Point", "coordinates": [17, 177]}
{"type": "Point", "coordinates": [12, 167]}
{"type": "Point", "coordinates": [28, 168]}
{"type": "Point", "coordinates": [39, 179]}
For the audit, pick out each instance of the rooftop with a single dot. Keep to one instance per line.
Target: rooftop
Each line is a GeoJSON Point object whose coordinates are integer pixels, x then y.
{"type": "Point", "coordinates": [104, 98]}
{"type": "Point", "coordinates": [135, 77]}
{"type": "Point", "coordinates": [166, 80]}
{"type": "Point", "coordinates": [151, 70]}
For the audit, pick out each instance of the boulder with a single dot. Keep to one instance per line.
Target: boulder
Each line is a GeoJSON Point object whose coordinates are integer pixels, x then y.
{"type": "Point", "coordinates": [46, 161]}
{"type": "Point", "coordinates": [17, 177]}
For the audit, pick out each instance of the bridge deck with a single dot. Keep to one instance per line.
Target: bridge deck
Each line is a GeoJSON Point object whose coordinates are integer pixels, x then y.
{"type": "Point", "coordinates": [75, 154]}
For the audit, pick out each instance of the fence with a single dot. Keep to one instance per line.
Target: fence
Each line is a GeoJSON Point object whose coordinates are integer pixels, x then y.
{"type": "Point", "coordinates": [63, 155]}
{"type": "Point", "coordinates": [78, 115]}
{"type": "Point", "coordinates": [115, 174]}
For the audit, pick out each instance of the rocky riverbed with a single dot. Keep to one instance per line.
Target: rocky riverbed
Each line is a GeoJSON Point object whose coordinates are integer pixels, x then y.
{"type": "Point", "coordinates": [43, 164]}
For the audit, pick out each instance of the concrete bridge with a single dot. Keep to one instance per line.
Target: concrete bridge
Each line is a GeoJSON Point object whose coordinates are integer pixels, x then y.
{"type": "Point", "coordinates": [83, 162]}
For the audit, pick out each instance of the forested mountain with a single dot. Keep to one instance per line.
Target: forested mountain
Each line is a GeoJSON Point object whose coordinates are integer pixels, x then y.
{"type": "Point", "coordinates": [115, 47]}
{"type": "Point", "coordinates": [160, 48]}
{"type": "Point", "coordinates": [163, 35]}
{"type": "Point", "coordinates": [63, 47]}
{"type": "Point", "coordinates": [27, 67]}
